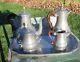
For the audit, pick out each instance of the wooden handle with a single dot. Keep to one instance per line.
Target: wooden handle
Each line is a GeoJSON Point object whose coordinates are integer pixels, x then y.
{"type": "Point", "coordinates": [50, 34]}
{"type": "Point", "coordinates": [52, 30]}
{"type": "Point", "coordinates": [51, 13]}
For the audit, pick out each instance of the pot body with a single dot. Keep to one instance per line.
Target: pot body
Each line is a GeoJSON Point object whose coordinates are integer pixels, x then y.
{"type": "Point", "coordinates": [62, 24]}
{"type": "Point", "coordinates": [61, 42]}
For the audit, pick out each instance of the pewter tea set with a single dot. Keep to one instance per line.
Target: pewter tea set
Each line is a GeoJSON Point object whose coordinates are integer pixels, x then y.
{"type": "Point", "coordinates": [31, 41]}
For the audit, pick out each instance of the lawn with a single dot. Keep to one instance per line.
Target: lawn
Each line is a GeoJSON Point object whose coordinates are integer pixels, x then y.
{"type": "Point", "coordinates": [17, 8]}
{"type": "Point", "coordinates": [73, 19]}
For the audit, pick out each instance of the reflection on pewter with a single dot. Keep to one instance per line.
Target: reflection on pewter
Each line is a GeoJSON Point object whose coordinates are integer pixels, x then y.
{"type": "Point", "coordinates": [31, 42]}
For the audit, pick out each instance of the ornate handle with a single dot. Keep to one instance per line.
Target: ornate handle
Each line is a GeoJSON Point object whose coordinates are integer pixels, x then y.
{"type": "Point", "coordinates": [51, 13]}
{"type": "Point", "coordinates": [50, 33]}
{"type": "Point", "coordinates": [52, 30]}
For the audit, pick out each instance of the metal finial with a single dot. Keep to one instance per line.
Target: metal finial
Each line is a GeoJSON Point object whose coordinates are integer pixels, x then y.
{"type": "Point", "coordinates": [63, 4]}
{"type": "Point", "coordinates": [24, 9]}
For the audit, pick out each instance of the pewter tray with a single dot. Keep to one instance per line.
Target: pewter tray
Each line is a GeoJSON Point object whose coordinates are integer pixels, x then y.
{"type": "Point", "coordinates": [45, 42]}
{"type": "Point", "coordinates": [48, 52]}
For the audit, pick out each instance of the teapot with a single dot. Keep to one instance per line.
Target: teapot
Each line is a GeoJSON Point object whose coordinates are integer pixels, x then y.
{"type": "Point", "coordinates": [61, 30]}
{"type": "Point", "coordinates": [62, 24]}
{"type": "Point", "coordinates": [27, 36]}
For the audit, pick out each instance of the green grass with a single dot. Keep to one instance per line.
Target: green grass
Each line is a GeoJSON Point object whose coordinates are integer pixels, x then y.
{"type": "Point", "coordinates": [3, 40]}
{"type": "Point", "coordinates": [77, 0]}
{"type": "Point", "coordinates": [73, 19]}
{"type": "Point", "coordinates": [67, 3]}
{"type": "Point", "coordinates": [74, 23]}
{"type": "Point", "coordinates": [17, 8]}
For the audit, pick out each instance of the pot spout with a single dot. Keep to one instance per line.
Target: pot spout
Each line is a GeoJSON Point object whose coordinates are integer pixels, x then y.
{"type": "Point", "coordinates": [39, 31]}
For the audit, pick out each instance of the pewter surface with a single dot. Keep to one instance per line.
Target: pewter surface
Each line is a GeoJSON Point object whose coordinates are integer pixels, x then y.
{"type": "Point", "coordinates": [72, 52]}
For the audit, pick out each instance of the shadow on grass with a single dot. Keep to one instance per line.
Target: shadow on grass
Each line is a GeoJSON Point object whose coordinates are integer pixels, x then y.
{"type": "Point", "coordinates": [1, 52]}
{"type": "Point", "coordinates": [5, 18]}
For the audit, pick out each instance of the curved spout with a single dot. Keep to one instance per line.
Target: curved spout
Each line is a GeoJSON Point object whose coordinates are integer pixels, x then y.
{"type": "Point", "coordinates": [39, 31]}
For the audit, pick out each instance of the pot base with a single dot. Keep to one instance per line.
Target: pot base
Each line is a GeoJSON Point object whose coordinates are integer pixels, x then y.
{"type": "Point", "coordinates": [47, 48]}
